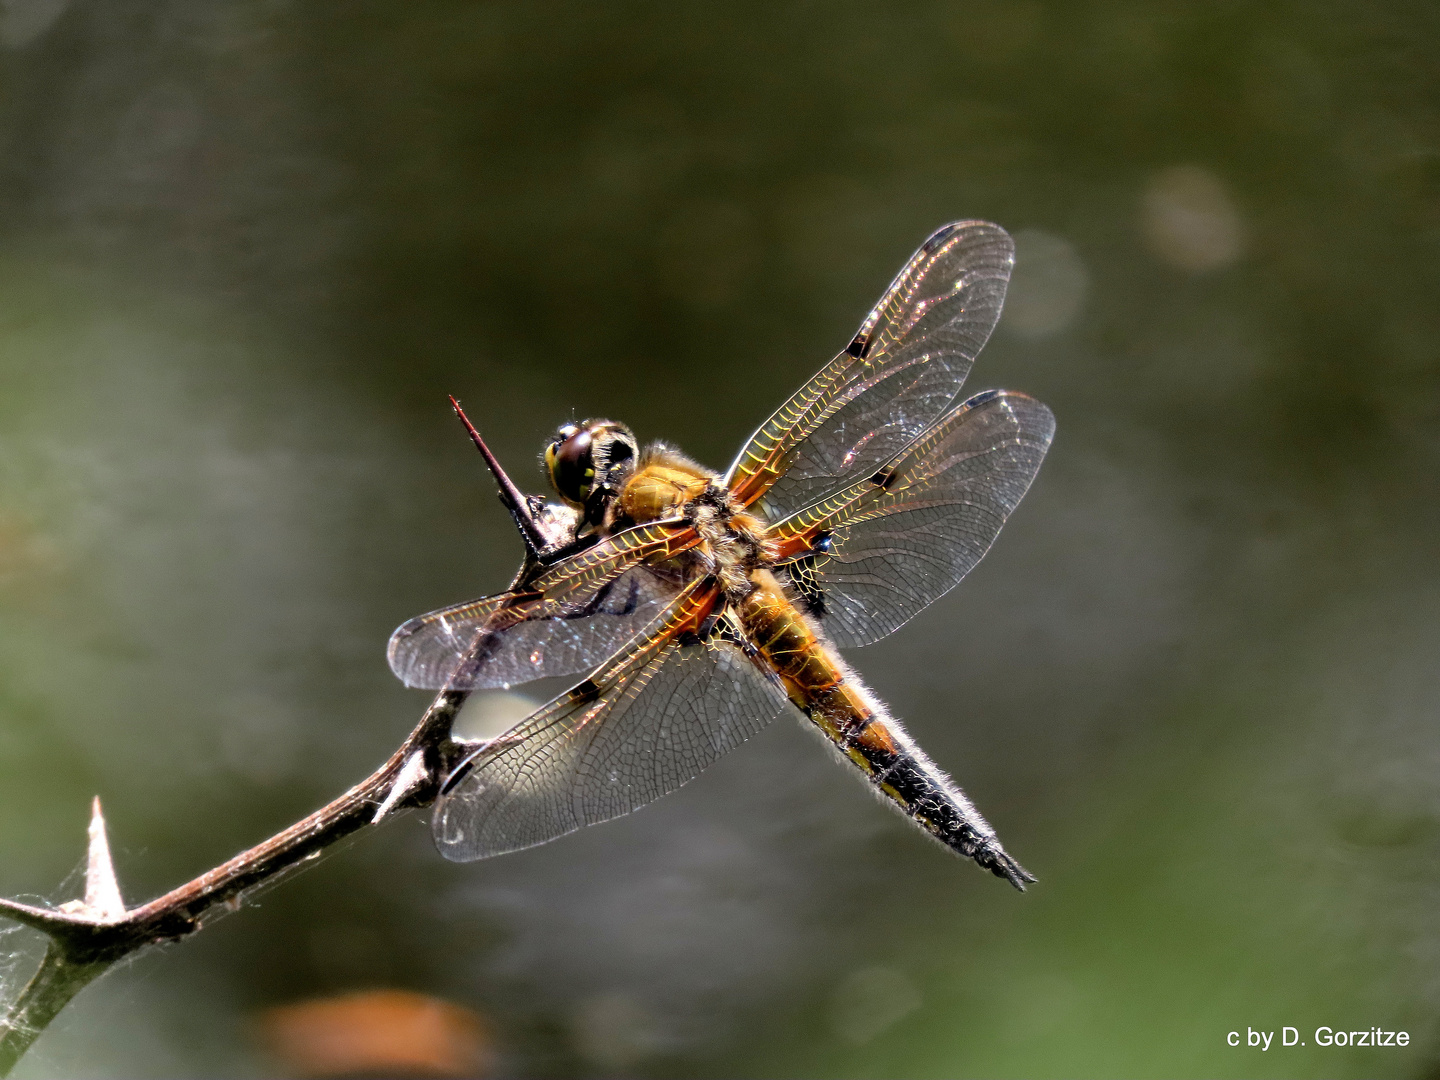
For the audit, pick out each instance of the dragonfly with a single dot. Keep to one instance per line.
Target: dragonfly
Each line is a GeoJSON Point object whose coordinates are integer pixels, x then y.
{"type": "Point", "coordinates": [700, 606]}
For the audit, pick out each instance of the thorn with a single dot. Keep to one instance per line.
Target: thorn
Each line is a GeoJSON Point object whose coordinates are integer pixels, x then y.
{"type": "Point", "coordinates": [57, 922]}
{"type": "Point", "coordinates": [411, 774]}
{"type": "Point", "coordinates": [102, 891]}
{"type": "Point", "coordinates": [509, 494]}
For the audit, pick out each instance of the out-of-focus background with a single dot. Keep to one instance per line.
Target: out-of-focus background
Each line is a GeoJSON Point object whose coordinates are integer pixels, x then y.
{"type": "Point", "coordinates": [247, 248]}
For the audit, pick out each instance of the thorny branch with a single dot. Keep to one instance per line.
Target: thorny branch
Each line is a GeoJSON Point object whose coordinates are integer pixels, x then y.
{"type": "Point", "coordinates": [88, 936]}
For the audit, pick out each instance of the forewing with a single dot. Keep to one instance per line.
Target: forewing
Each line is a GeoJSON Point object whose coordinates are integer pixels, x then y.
{"type": "Point", "coordinates": [646, 722]}
{"type": "Point", "coordinates": [571, 617]}
{"type": "Point", "coordinates": [899, 373]}
{"type": "Point", "coordinates": [904, 537]}
{"type": "Point", "coordinates": [522, 637]}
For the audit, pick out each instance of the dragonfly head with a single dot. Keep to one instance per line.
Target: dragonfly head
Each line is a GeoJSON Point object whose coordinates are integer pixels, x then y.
{"type": "Point", "coordinates": [589, 463]}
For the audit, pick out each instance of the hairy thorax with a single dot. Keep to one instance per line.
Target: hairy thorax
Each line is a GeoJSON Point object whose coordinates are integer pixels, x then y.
{"type": "Point", "coordinates": [732, 545]}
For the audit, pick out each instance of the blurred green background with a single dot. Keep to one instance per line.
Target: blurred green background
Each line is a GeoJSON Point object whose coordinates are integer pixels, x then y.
{"type": "Point", "coordinates": [249, 247]}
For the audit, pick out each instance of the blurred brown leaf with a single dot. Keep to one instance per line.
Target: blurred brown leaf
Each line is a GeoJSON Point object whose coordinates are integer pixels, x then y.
{"type": "Point", "coordinates": [377, 1033]}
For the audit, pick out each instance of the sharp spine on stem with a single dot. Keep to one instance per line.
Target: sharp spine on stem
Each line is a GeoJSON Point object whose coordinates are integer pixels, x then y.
{"type": "Point", "coordinates": [510, 495]}
{"type": "Point", "coordinates": [102, 889]}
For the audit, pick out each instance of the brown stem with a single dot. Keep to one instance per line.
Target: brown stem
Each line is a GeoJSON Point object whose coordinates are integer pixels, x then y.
{"type": "Point", "coordinates": [86, 938]}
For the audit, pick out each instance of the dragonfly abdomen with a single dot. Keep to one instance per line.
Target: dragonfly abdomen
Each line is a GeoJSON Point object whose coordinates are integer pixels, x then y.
{"type": "Point", "coordinates": [862, 730]}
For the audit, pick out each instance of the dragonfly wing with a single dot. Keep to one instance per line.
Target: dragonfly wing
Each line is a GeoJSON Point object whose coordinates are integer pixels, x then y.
{"type": "Point", "coordinates": [566, 621]}
{"type": "Point", "coordinates": [899, 373]}
{"type": "Point", "coordinates": [526, 636]}
{"type": "Point", "coordinates": [648, 720]}
{"type": "Point", "coordinates": [904, 537]}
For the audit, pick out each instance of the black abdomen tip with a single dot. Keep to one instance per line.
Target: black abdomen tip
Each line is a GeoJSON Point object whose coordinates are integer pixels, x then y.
{"type": "Point", "coordinates": [998, 861]}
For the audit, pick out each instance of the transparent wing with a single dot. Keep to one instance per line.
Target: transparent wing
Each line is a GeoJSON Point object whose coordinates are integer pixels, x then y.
{"type": "Point", "coordinates": [524, 637]}
{"type": "Point", "coordinates": [899, 373]}
{"type": "Point", "coordinates": [566, 621]}
{"type": "Point", "coordinates": [647, 721]}
{"type": "Point", "coordinates": [904, 537]}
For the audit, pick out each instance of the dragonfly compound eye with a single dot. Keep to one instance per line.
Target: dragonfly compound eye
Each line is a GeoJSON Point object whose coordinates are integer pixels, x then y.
{"type": "Point", "coordinates": [590, 462]}
{"type": "Point", "coordinates": [571, 463]}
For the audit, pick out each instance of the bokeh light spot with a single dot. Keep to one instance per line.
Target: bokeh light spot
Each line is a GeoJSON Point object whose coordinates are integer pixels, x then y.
{"type": "Point", "coordinates": [1190, 220]}
{"type": "Point", "coordinates": [376, 1033]}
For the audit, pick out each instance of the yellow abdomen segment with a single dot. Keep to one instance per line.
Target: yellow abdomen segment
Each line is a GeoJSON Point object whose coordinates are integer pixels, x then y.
{"type": "Point", "coordinates": [811, 677]}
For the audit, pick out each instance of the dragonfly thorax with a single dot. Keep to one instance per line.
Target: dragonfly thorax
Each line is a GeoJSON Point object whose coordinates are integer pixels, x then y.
{"type": "Point", "coordinates": [668, 485]}
{"type": "Point", "coordinates": [733, 543]}
{"type": "Point", "coordinates": [661, 487]}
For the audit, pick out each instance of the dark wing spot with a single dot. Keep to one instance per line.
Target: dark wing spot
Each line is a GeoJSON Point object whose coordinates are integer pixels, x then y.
{"type": "Point", "coordinates": [708, 626]}
{"type": "Point", "coordinates": [457, 774]}
{"type": "Point", "coordinates": [729, 629]}
{"type": "Point", "coordinates": [939, 238]}
{"type": "Point", "coordinates": [806, 582]}
{"type": "Point", "coordinates": [981, 398]}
